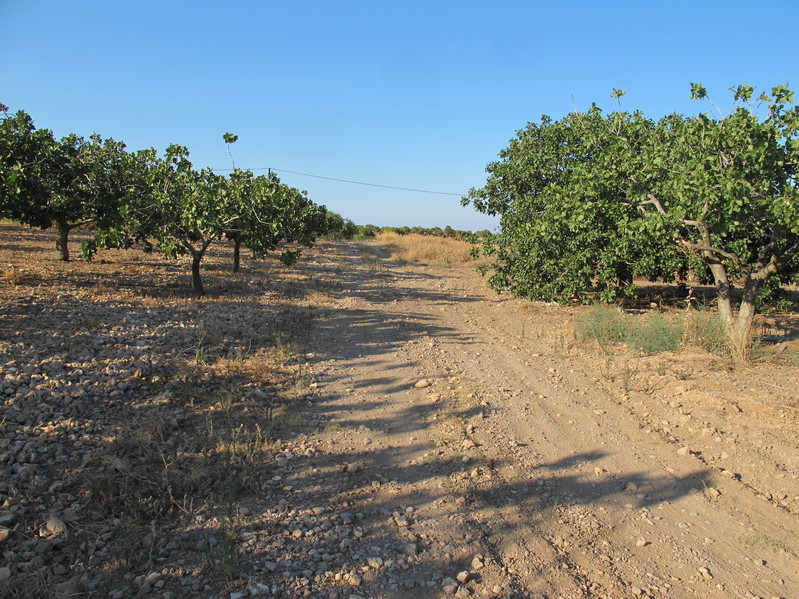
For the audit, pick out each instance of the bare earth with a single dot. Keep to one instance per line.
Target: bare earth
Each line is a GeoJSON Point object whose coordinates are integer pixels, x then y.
{"type": "Point", "coordinates": [446, 441]}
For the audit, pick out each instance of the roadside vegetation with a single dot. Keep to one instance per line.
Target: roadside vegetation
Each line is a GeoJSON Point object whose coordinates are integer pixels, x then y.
{"type": "Point", "coordinates": [591, 201]}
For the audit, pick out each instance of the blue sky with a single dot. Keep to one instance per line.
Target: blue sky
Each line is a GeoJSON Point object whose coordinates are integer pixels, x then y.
{"type": "Point", "coordinates": [414, 94]}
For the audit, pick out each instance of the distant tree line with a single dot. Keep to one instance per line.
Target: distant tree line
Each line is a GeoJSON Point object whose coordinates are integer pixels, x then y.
{"type": "Point", "coordinates": [363, 231]}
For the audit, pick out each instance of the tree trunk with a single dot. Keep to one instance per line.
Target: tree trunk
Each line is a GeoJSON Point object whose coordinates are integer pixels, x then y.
{"type": "Point", "coordinates": [738, 328]}
{"type": "Point", "coordinates": [62, 241]}
{"type": "Point", "coordinates": [236, 253]}
{"type": "Point", "coordinates": [739, 332]}
{"type": "Point", "coordinates": [196, 279]}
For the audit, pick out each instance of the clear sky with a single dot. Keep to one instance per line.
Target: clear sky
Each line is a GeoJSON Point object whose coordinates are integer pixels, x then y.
{"type": "Point", "coordinates": [413, 94]}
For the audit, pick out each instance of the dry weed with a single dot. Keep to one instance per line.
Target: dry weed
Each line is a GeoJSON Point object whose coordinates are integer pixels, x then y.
{"type": "Point", "coordinates": [426, 248]}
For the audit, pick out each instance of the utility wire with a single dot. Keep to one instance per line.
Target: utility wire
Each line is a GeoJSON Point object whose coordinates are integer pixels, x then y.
{"type": "Point", "coordinates": [282, 170]}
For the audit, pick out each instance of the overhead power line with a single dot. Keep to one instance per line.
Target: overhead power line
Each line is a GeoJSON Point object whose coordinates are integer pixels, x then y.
{"type": "Point", "coordinates": [283, 170]}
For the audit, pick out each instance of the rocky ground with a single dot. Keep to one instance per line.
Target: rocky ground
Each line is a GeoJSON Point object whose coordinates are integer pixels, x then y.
{"type": "Point", "coordinates": [355, 428]}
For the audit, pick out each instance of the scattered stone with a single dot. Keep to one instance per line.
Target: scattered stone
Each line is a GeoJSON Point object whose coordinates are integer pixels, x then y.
{"type": "Point", "coordinates": [8, 519]}
{"type": "Point", "coordinates": [410, 548]}
{"type": "Point", "coordinates": [5, 573]}
{"type": "Point", "coordinates": [422, 384]}
{"type": "Point", "coordinates": [684, 451]}
{"type": "Point", "coordinates": [449, 586]}
{"type": "Point", "coordinates": [55, 526]}
{"type": "Point", "coordinates": [463, 577]}
{"type": "Point", "coordinates": [374, 562]}
{"type": "Point", "coordinates": [477, 563]}
{"type": "Point", "coordinates": [641, 543]}
{"type": "Point", "coordinates": [705, 573]}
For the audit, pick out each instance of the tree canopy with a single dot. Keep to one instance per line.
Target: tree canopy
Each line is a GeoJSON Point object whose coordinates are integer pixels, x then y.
{"type": "Point", "coordinates": [128, 197]}
{"type": "Point", "coordinates": [66, 183]}
{"type": "Point", "coordinates": [591, 200]}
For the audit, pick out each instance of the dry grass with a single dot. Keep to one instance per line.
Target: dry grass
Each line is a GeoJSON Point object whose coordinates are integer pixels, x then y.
{"type": "Point", "coordinates": [425, 249]}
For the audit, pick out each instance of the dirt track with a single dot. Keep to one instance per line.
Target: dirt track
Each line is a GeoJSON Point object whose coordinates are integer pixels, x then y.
{"type": "Point", "coordinates": [519, 453]}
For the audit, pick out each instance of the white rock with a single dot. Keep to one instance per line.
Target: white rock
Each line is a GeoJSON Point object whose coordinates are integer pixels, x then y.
{"type": "Point", "coordinates": [55, 526]}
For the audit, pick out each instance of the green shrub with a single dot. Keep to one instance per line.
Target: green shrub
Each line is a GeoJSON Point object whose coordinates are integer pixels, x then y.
{"type": "Point", "coordinates": [657, 334]}
{"type": "Point", "coordinates": [603, 323]}
{"type": "Point", "coordinates": [648, 335]}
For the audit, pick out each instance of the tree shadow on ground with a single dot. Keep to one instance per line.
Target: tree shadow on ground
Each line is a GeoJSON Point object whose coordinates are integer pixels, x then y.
{"type": "Point", "coordinates": [147, 421]}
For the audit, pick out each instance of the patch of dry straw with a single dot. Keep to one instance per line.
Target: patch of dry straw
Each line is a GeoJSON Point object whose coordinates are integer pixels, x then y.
{"type": "Point", "coordinates": [425, 248]}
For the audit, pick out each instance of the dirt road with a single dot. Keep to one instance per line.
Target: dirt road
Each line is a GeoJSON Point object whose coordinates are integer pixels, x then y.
{"type": "Point", "coordinates": [457, 423]}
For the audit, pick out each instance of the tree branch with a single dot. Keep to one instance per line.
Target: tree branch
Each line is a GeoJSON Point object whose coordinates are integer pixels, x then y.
{"type": "Point", "coordinates": [653, 200]}
{"type": "Point", "coordinates": [699, 247]}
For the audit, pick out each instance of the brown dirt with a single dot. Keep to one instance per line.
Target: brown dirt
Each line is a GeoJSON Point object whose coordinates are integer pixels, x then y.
{"type": "Point", "coordinates": [444, 430]}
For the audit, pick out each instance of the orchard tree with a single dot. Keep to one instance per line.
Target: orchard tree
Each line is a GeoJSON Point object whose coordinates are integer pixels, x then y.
{"type": "Point", "coordinates": [591, 200]}
{"type": "Point", "coordinates": [239, 186]}
{"type": "Point", "coordinates": [66, 183]}
{"type": "Point", "coordinates": [338, 227]}
{"type": "Point", "coordinates": [266, 213]}
{"type": "Point", "coordinates": [184, 210]}
{"type": "Point", "coordinates": [90, 183]}
{"type": "Point", "coordinates": [24, 174]}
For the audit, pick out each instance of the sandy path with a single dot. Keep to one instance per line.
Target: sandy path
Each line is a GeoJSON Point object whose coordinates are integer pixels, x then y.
{"type": "Point", "coordinates": [513, 454]}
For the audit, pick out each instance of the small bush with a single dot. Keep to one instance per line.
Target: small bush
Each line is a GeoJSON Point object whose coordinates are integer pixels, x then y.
{"type": "Point", "coordinates": [657, 334]}
{"type": "Point", "coordinates": [606, 325]}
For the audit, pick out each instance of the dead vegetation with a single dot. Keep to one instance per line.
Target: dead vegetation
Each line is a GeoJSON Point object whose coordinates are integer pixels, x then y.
{"type": "Point", "coordinates": [412, 248]}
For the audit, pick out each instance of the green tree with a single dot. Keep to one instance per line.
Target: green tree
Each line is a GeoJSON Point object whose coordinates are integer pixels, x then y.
{"type": "Point", "coordinates": [24, 154]}
{"type": "Point", "coordinates": [184, 210]}
{"type": "Point", "coordinates": [338, 227]}
{"type": "Point", "coordinates": [66, 183]}
{"type": "Point", "coordinates": [271, 213]}
{"type": "Point", "coordinates": [591, 200]}
{"type": "Point", "coordinates": [89, 184]}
